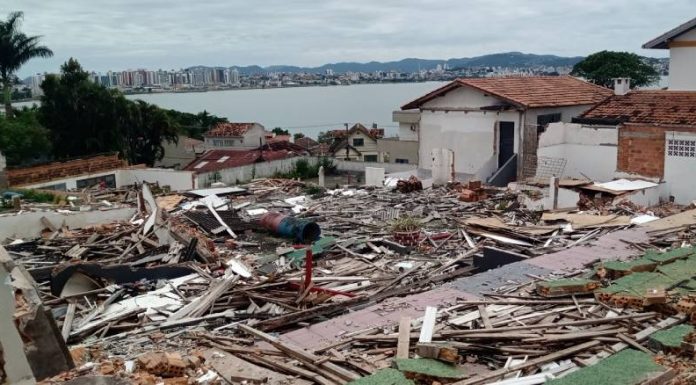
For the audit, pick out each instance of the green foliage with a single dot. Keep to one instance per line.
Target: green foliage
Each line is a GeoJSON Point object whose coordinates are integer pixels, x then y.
{"type": "Point", "coordinates": [303, 170]}
{"type": "Point", "coordinates": [602, 67]}
{"type": "Point", "coordinates": [16, 48]}
{"type": "Point", "coordinates": [298, 135]}
{"type": "Point", "coordinates": [194, 125]}
{"type": "Point", "coordinates": [85, 118]}
{"type": "Point", "coordinates": [280, 131]}
{"type": "Point", "coordinates": [405, 223]}
{"type": "Point", "coordinates": [325, 137]}
{"type": "Point", "coordinates": [38, 196]}
{"type": "Point", "coordinates": [23, 139]}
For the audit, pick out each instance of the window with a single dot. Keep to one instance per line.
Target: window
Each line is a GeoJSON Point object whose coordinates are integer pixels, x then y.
{"type": "Point", "coordinates": [402, 161]}
{"type": "Point", "coordinates": [218, 142]}
{"type": "Point", "coordinates": [229, 142]}
{"type": "Point", "coordinates": [358, 142]}
{"type": "Point", "coordinates": [681, 147]}
{"type": "Point", "coordinates": [545, 120]}
{"type": "Point", "coordinates": [369, 158]}
{"type": "Point", "coordinates": [108, 180]}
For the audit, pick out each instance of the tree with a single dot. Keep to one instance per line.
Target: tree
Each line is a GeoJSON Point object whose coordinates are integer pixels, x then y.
{"type": "Point", "coordinates": [602, 67]}
{"type": "Point", "coordinates": [194, 125]}
{"type": "Point", "coordinates": [298, 135]}
{"type": "Point", "coordinates": [83, 117]}
{"type": "Point", "coordinates": [16, 48]}
{"type": "Point", "coordinates": [23, 139]}
{"type": "Point", "coordinates": [280, 131]}
{"type": "Point", "coordinates": [144, 128]}
{"type": "Point", "coordinates": [325, 137]}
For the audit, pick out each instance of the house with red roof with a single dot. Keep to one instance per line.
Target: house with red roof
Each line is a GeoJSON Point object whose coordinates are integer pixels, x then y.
{"type": "Point", "coordinates": [357, 143]}
{"type": "Point", "coordinates": [655, 137]}
{"type": "Point", "coordinates": [491, 125]}
{"type": "Point", "coordinates": [235, 136]}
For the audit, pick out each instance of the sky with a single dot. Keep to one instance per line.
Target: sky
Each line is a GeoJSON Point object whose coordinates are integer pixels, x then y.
{"type": "Point", "coordinates": [171, 34]}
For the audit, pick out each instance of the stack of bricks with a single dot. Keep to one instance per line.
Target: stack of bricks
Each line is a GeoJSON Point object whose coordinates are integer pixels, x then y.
{"type": "Point", "coordinates": [473, 192]}
{"type": "Point", "coordinates": [163, 364]}
{"type": "Point", "coordinates": [56, 170]}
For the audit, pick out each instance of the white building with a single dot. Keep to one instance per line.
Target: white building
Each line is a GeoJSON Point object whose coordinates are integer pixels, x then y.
{"type": "Point", "coordinates": [488, 122]}
{"type": "Point", "coordinates": [681, 42]}
{"type": "Point", "coordinates": [235, 136]}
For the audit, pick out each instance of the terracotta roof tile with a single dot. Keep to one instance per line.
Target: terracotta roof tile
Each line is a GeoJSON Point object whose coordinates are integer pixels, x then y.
{"type": "Point", "coordinates": [222, 159]}
{"type": "Point", "coordinates": [647, 107]}
{"type": "Point", "coordinates": [230, 129]}
{"type": "Point", "coordinates": [306, 142]}
{"type": "Point", "coordinates": [527, 91]}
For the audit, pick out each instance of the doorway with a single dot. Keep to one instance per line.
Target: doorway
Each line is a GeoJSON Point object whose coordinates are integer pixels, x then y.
{"type": "Point", "coordinates": [506, 142]}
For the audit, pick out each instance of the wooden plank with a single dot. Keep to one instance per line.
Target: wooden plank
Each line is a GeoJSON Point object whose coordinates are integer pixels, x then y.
{"type": "Point", "coordinates": [529, 364]}
{"type": "Point", "coordinates": [428, 326]}
{"type": "Point", "coordinates": [484, 317]}
{"type": "Point", "coordinates": [67, 324]}
{"type": "Point", "coordinates": [404, 340]}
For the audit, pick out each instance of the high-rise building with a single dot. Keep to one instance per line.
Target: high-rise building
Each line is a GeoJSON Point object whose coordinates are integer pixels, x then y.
{"type": "Point", "coordinates": [234, 76]}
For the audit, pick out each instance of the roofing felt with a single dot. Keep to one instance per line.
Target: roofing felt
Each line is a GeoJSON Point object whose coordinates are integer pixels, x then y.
{"type": "Point", "coordinates": [662, 41]}
{"type": "Point", "coordinates": [230, 129]}
{"type": "Point", "coordinates": [655, 107]}
{"type": "Point", "coordinates": [222, 159]}
{"type": "Point", "coordinates": [527, 91]}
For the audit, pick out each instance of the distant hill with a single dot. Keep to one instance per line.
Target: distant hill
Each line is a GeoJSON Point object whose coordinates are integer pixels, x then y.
{"type": "Point", "coordinates": [505, 59]}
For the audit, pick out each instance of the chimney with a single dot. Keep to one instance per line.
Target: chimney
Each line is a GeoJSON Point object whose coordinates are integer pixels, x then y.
{"type": "Point", "coordinates": [622, 86]}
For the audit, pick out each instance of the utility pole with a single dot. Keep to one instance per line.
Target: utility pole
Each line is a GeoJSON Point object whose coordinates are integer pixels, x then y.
{"type": "Point", "coordinates": [347, 142]}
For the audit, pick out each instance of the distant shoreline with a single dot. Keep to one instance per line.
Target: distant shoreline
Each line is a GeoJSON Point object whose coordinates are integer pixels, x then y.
{"type": "Point", "coordinates": [203, 90]}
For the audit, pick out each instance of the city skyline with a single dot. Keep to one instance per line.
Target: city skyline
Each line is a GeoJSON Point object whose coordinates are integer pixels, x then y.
{"type": "Point", "coordinates": [159, 34]}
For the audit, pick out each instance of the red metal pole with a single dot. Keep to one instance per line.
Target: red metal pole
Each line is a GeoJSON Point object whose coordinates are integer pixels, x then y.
{"type": "Point", "coordinates": [308, 268]}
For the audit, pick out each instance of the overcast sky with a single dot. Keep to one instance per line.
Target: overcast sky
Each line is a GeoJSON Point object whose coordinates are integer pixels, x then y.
{"type": "Point", "coordinates": [122, 34]}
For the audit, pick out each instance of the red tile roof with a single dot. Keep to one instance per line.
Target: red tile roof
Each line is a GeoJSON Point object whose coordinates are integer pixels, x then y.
{"type": "Point", "coordinates": [278, 138]}
{"type": "Point", "coordinates": [306, 142]}
{"type": "Point", "coordinates": [646, 107]}
{"type": "Point", "coordinates": [230, 129]}
{"type": "Point", "coordinates": [527, 91]}
{"type": "Point", "coordinates": [214, 160]}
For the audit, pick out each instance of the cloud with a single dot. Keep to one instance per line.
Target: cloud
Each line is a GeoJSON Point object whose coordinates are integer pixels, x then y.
{"type": "Point", "coordinates": [173, 33]}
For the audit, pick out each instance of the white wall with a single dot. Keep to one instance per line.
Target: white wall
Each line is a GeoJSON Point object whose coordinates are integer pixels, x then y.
{"type": "Point", "coordinates": [246, 173]}
{"type": "Point", "coordinates": [176, 179]}
{"type": "Point", "coordinates": [679, 170]}
{"type": "Point", "coordinates": [471, 135]}
{"type": "Point", "coordinates": [3, 162]}
{"type": "Point", "coordinates": [589, 151]}
{"type": "Point", "coordinates": [354, 166]}
{"type": "Point", "coordinates": [28, 224]}
{"type": "Point", "coordinates": [682, 64]}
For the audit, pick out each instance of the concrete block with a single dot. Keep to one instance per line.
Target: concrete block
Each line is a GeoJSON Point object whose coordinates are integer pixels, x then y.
{"type": "Point", "coordinates": [374, 176]}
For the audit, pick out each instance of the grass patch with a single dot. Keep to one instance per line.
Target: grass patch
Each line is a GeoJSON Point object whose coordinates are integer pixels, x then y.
{"type": "Point", "coordinates": [627, 367]}
{"type": "Point", "coordinates": [383, 377]}
{"type": "Point", "coordinates": [672, 337]}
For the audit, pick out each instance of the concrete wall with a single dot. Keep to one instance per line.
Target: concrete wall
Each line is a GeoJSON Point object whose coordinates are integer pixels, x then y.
{"type": "Point", "coordinates": [471, 135]}
{"type": "Point", "coordinates": [530, 134]}
{"type": "Point", "coordinates": [177, 180]}
{"type": "Point", "coordinates": [409, 124]}
{"type": "Point", "coordinates": [354, 166]}
{"type": "Point", "coordinates": [246, 173]}
{"type": "Point", "coordinates": [28, 224]}
{"type": "Point", "coordinates": [178, 155]}
{"type": "Point", "coordinates": [680, 166]}
{"type": "Point", "coordinates": [589, 151]}
{"type": "Point", "coordinates": [393, 149]}
{"type": "Point", "coordinates": [682, 64]}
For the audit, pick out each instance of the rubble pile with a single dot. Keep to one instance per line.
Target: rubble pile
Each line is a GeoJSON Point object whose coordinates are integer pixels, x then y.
{"type": "Point", "coordinates": [197, 283]}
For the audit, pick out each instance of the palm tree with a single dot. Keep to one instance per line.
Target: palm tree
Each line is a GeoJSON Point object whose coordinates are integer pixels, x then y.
{"type": "Point", "coordinates": [16, 48]}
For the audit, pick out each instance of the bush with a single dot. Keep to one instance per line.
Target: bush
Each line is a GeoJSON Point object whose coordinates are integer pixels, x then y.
{"type": "Point", "coordinates": [303, 170]}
